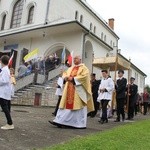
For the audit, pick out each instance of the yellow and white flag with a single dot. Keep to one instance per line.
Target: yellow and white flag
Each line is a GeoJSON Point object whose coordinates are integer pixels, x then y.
{"type": "Point", "coordinates": [32, 55]}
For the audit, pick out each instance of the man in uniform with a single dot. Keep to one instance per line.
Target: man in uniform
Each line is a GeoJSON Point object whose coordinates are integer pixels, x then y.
{"type": "Point", "coordinates": [132, 90]}
{"type": "Point", "coordinates": [120, 95]}
{"type": "Point", "coordinates": [94, 85]}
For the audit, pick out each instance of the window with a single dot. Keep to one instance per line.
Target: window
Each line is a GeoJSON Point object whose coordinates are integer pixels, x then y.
{"type": "Point", "coordinates": [30, 15]}
{"type": "Point", "coordinates": [111, 43]}
{"type": "Point", "coordinates": [105, 38]}
{"type": "Point", "coordinates": [17, 14]}
{"type": "Point", "coordinates": [141, 82]}
{"type": "Point", "coordinates": [81, 18]}
{"type": "Point", "coordinates": [91, 26]}
{"type": "Point", "coordinates": [136, 78]}
{"type": "Point", "coordinates": [76, 15]}
{"type": "Point", "coordinates": [102, 35]}
{"type": "Point", "coordinates": [3, 22]}
{"type": "Point", "coordinates": [94, 29]}
{"type": "Point", "coordinates": [130, 72]}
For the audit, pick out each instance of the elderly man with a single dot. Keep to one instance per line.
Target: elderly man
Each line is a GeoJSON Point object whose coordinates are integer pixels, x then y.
{"type": "Point", "coordinates": [76, 98]}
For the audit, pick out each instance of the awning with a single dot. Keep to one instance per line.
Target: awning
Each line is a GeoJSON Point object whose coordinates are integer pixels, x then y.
{"type": "Point", "coordinates": [110, 63]}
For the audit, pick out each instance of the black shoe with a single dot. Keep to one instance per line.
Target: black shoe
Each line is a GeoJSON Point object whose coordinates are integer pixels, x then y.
{"type": "Point", "coordinates": [55, 124]}
{"type": "Point", "coordinates": [92, 116]}
{"type": "Point", "coordinates": [117, 120]}
{"type": "Point", "coordinates": [106, 120]}
{"type": "Point", "coordinates": [54, 114]}
{"type": "Point", "coordinates": [101, 121]}
{"type": "Point", "coordinates": [89, 114]}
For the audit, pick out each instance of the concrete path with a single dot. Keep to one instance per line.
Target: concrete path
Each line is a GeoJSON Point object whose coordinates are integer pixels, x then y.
{"type": "Point", "coordinates": [32, 130]}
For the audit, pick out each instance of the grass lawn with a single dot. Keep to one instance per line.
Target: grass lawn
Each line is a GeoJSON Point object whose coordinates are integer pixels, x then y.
{"type": "Point", "coordinates": [133, 136]}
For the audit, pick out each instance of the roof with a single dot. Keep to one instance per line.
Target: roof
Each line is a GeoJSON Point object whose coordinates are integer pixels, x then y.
{"type": "Point", "coordinates": [56, 24]}
{"type": "Point", "coordinates": [112, 63]}
{"type": "Point", "coordinates": [133, 66]}
{"type": "Point", "coordinates": [84, 3]}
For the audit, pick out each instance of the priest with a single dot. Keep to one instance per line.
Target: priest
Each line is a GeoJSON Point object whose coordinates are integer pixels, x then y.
{"type": "Point", "coordinates": [76, 100]}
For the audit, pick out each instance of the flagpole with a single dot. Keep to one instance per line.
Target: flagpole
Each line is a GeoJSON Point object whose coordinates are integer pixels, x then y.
{"type": "Point", "coordinates": [127, 107]}
{"type": "Point", "coordinates": [115, 76]}
{"type": "Point", "coordinates": [63, 57]}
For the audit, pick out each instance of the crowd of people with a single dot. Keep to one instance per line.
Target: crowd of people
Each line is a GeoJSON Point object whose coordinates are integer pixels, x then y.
{"type": "Point", "coordinates": [81, 97]}
{"type": "Point", "coordinates": [39, 65]}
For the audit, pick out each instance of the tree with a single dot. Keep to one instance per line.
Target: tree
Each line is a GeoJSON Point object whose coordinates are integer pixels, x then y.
{"type": "Point", "coordinates": [148, 88]}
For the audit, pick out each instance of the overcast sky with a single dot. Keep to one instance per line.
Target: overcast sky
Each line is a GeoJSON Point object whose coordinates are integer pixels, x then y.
{"type": "Point", "coordinates": [132, 25]}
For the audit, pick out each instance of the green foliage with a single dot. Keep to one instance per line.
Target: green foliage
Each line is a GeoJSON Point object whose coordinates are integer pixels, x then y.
{"type": "Point", "coordinates": [134, 136]}
{"type": "Point", "coordinates": [148, 88]}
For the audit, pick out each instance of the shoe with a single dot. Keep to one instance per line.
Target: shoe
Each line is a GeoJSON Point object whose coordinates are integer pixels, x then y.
{"type": "Point", "coordinates": [101, 121]}
{"type": "Point", "coordinates": [117, 120]}
{"type": "Point", "coordinates": [7, 127]}
{"type": "Point", "coordinates": [106, 120]}
{"type": "Point", "coordinates": [54, 114]}
{"type": "Point", "coordinates": [92, 116]}
{"type": "Point", "coordinates": [55, 124]}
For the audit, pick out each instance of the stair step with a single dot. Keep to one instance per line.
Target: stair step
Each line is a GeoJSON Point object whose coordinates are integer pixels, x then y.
{"type": "Point", "coordinates": [48, 88]}
{"type": "Point", "coordinates": [32, 87]}
{"type": "Point", "coordinates": [18, 94]}
{"type": "Point", "coordinates": [27, 89]}
{"type": "Point", "coordinates": [23, 91]}
{"type": "Point", "coordinates": [39, 86]}
{"type": "Point", "coordinates": [14, 96]}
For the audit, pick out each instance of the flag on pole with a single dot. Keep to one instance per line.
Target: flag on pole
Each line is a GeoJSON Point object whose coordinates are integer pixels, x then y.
{"type": "Point", "coordinates": [11, 60]}
{"type": "Point", "coordinates": [70, 59]}
{"type": "Point", "coordinates": [63, 56]}
{"type": "Point", "coordinates": [32, 55]}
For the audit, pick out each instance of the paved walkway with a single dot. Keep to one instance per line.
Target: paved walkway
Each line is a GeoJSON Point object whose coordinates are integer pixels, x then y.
{"type": "Point", "coordinates": [32, 129]}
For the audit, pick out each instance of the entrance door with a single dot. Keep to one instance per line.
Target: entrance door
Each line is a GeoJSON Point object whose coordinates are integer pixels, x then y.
{"type": "Point", "coordinates": [37, 100]}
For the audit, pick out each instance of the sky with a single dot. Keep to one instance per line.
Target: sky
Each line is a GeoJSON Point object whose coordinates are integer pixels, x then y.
{"type": "Point", "coordinates": [132, 25]}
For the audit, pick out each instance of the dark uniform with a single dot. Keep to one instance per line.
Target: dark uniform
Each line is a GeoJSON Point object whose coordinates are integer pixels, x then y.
{"type": "Point", "coordinates": [133, 88]}
{"type": "Point", "coordinates": [120, 97]}
{"type": "Point", "coordinates": [95, 85]}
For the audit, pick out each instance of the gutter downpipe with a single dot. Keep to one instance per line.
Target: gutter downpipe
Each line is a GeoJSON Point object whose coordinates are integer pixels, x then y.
{"type": "Point", "coordinates": [47, 12]}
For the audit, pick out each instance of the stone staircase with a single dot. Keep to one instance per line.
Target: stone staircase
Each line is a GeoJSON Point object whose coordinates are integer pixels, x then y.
{"type": "Point", "coordinates": [40, 94]}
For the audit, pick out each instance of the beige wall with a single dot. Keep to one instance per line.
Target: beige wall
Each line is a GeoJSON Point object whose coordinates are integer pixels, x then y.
{"type": "Point", "coordinates": [59, 11]}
